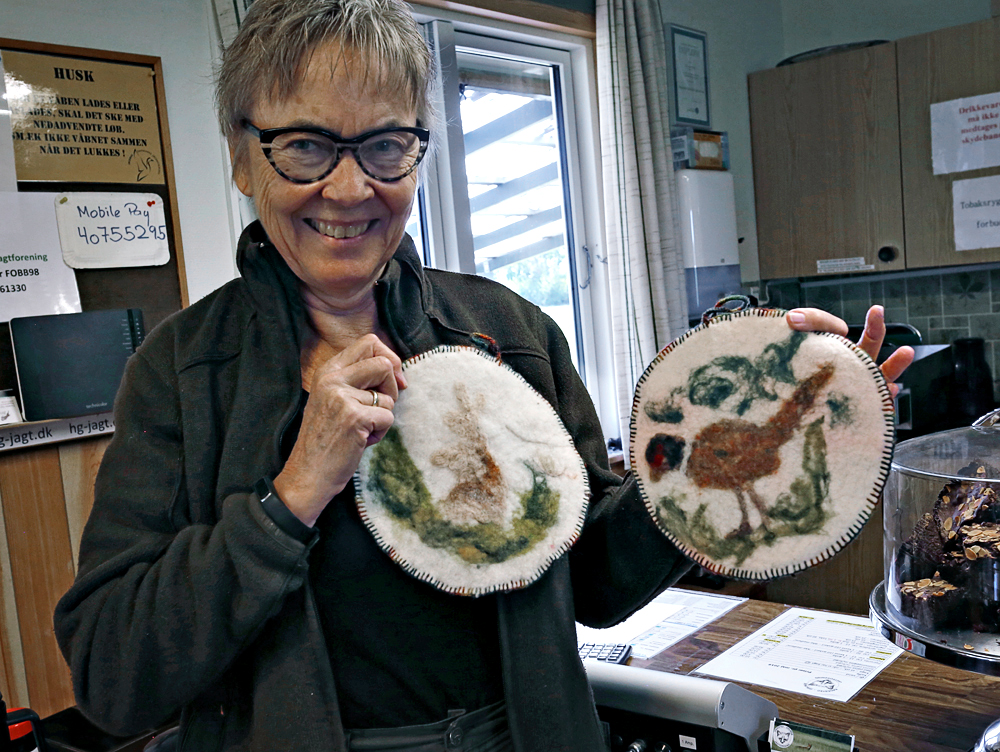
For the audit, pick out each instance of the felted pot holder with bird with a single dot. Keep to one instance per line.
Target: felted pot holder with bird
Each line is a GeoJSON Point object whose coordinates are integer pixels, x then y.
{"type": "Point", "coordinates": [477, 487]}
{"type": "Point", "coordinates": [760, 450]}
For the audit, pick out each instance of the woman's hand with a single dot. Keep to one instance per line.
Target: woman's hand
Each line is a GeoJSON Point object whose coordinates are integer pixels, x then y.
{"type": "Point", "coordinates": [815, 320]}
{"type": "Point", "coordinates": [350, 407]}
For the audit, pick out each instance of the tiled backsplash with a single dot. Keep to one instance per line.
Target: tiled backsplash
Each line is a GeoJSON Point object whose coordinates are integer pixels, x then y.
{"type": "Point", "coordinates": [943, 306]}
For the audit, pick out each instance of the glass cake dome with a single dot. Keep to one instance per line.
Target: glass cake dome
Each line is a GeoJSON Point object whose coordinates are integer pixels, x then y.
{"type": "Point", "coordinates": [942, 532]}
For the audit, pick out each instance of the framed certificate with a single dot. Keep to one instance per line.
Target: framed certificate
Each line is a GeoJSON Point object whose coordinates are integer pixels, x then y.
{"type": "Point", "coordinates": [689, 65]}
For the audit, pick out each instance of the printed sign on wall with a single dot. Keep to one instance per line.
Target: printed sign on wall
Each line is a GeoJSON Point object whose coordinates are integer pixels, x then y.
{"type": "Point", "coordinates": [83, 120]}
{"type": "Point", "coordinates": [977, 213]}
{"type": "Point", "coordinates": [34, 280]}
{"type": "Point", "coordinates": [965, 134]}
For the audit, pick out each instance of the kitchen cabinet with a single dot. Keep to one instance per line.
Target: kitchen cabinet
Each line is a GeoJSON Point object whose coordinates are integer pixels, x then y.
{"type": "Point", "coordinates": [825, 139]}
{"type": "Point", "coordinates": [842, 154]}
{"type": "Point", "coordinates": [963, 61]}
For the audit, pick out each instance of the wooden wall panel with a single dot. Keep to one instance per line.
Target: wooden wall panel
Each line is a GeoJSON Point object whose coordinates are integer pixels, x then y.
{"type": "Point", "coordinates": [843, 583]}
{"type": "Point", "coordinates": [38, 540]}
{"type": "Point", "coordinates": [13, 683]}
{"type": "Point", "coordinates": [78, 463]}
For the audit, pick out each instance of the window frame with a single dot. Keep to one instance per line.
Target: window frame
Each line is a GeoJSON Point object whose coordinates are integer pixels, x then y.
{"type": "Point", "coordinates": [575, 58]}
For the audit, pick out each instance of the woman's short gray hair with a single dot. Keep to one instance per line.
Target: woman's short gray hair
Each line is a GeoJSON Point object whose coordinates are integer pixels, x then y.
{"type": "Point", "coordinates": [277, 38]}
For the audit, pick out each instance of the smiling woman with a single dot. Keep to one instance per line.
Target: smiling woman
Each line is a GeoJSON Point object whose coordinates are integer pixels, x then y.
{"type": "Point", "coordinates": [337, 230]}
{"type": "Point", "coordinates": [226, 573]}
{"type": "Point", "coordinates": [226, 565]}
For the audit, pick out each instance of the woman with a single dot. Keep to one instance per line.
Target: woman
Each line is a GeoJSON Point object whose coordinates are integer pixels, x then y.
{"type": "Point", "coordinates": [224, 572]}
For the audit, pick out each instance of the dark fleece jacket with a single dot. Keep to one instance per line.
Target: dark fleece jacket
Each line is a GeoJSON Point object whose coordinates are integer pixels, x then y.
{"type": "Point", "coordinates": [190, 598]}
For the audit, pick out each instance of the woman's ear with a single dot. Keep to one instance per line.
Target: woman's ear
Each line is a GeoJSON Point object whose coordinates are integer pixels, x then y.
{"type": "Point", "coordinates": [241, 171]}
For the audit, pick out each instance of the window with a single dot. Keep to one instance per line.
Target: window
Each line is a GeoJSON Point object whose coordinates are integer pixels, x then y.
{"type": "Point", "coordinates": [505, 196]}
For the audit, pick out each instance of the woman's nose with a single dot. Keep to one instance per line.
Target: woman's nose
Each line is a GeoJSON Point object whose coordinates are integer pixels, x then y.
{"type": "Point", "coordinates": [348, 183]}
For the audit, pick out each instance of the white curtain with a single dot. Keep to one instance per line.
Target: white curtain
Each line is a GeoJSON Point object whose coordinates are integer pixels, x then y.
{"type": "Point", "coordinates": [646, 266]}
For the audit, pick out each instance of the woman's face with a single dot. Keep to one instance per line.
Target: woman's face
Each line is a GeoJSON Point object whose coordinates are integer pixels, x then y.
{"type": "Point", "coordinates": [304, 220]}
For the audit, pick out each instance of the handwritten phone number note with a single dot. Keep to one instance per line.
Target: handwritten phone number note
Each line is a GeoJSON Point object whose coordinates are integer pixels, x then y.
{"type": "Point", "coordinates": [106, 230]}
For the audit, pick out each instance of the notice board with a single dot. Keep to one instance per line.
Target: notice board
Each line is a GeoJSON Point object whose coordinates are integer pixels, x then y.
{"type": "Point", "coordinates": [94, 121]}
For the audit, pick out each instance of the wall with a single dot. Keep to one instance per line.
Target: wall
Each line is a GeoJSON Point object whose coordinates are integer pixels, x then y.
{"type": "Point", "coordinates": [810, 24]}
{"type": "Point", "coordinates": [178, 32]}
{"type": "Point", "coordinates": [943, 306]}
{"type": "Point", "coordinates": [747, 37]}
{"type": "Point", "coordinates": [742, 37]}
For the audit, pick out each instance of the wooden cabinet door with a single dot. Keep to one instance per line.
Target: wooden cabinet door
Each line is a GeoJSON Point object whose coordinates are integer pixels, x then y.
{"type": "Point", "coordinates": [963, 61]}
{"type": "Point", "coordinates": [825, 137]}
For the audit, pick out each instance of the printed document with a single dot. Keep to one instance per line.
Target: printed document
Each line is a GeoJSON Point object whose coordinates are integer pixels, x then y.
{"type": "Point", "coordinates": [667, 619]}
{"type": "Point", "coordinates": [811, 652]}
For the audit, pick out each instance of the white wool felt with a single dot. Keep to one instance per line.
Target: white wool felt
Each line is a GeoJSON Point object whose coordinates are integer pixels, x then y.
{"type": "Point", "coordinates": [732, 377]}
{"type": "Point", "coordinates": [472, 427]}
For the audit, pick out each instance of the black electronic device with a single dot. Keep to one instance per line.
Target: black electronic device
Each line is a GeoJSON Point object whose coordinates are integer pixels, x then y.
{"type": "Point", "coordinates": [71, 364]}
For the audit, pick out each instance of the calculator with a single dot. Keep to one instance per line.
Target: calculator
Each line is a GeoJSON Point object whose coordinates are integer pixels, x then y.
{"type": "Point", "coordinates": [605, 652]}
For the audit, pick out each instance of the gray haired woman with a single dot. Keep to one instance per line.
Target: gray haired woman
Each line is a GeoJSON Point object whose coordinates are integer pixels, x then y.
{"type": "Point", "coordinates": [225, 576]}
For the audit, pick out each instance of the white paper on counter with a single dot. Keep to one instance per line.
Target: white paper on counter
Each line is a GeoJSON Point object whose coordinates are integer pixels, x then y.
{"type": "Point", "coordinates": [667, 619]}
{"type": "Point", "coordinates": [816, 653]}
{"type": "Point", "coordinates": [976, 209]}
{"type": "Point", "coordinates": [112, 230]}
{"type": "Point", "coordinates": [34, 281]}
{"type": "Point", "coordinates": [965, 133]}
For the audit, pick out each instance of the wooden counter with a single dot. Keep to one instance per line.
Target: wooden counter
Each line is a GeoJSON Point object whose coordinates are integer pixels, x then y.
{"type": "Point", "coordinates": [913, 704]}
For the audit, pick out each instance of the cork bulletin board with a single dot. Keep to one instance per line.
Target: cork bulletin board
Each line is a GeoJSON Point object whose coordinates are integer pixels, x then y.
{"type": "Point", "coordinates": [76, 120]}
{"type": "Point", "coordinates": [95, 121]}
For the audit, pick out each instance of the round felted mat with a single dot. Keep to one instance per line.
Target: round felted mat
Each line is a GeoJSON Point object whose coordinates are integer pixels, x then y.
{"type": "Point", "coordinates": [478, 486]}
{"type": "Point", "coordinates": [759, 450]}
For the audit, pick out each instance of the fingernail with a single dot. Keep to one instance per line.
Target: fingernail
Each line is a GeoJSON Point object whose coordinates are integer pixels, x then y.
{"type": "Point", "coordinates": [796, 317]}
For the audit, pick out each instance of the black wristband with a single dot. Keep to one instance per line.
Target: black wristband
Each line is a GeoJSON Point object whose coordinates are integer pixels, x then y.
{"type": "Point", "coordinates": [281, 515]}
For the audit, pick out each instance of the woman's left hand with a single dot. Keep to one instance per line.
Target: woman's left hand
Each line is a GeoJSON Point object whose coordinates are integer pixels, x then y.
{"type": "Point", "coordinates": [815, 320]}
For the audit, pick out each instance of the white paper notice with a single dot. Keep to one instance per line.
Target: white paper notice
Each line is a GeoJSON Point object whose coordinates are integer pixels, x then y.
{"type": "Point", "coordinates": [965, 133]}
{"type": "Point", "coordinates": [667, 619]}
{"type": "Point", "coordinates": [811, 652]}
{"type": "Point", "coordinates": [34, 281]}
{"type": "Point", "coordinates": [110, 230]}
{"type": "Point", "coordinates": [976, 205]}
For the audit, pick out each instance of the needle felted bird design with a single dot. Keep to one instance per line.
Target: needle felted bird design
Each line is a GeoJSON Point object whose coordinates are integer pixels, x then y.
{"type": "Point", "coordinates": [733, 453]}
{"type": "Point", "coordinates": [760, 451]}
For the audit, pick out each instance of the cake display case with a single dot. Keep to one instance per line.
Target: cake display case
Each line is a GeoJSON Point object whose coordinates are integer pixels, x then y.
{"type": "Point", "coordinates": [941, 508]}
{"type": "Point", "coordinates": [940, 598]}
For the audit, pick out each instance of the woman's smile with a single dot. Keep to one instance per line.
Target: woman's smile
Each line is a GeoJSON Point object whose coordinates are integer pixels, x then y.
{"type": "Point", "coordinates": [339, 230]}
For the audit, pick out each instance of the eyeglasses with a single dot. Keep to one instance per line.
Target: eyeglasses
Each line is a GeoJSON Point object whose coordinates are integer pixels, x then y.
{"type": "Point", "coordinates": [305, 155]}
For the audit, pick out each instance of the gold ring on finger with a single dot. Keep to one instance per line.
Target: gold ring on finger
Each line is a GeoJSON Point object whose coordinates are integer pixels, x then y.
{"type": "Point", "coordinates": [374, 397]}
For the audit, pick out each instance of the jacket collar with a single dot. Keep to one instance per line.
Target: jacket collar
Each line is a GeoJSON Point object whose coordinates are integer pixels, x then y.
{"type": "Point", "coordinates": [402, 293]}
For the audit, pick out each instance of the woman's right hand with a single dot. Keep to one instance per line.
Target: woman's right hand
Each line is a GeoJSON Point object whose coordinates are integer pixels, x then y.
{"type": "Point", "coordinates": [338, 423]}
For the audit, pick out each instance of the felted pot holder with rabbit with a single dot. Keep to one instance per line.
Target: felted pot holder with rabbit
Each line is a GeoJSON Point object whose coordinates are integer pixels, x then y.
{"type": "Point", "coordinates": [478, 486]}
{"type": "Point", "coordinates": [760, 450]}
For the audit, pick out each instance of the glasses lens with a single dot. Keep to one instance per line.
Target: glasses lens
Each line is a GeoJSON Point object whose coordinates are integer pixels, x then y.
{"type": "Point", "coordinates": [302, 156]}
{"type": "Point", "coordinates": [390, 155]}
